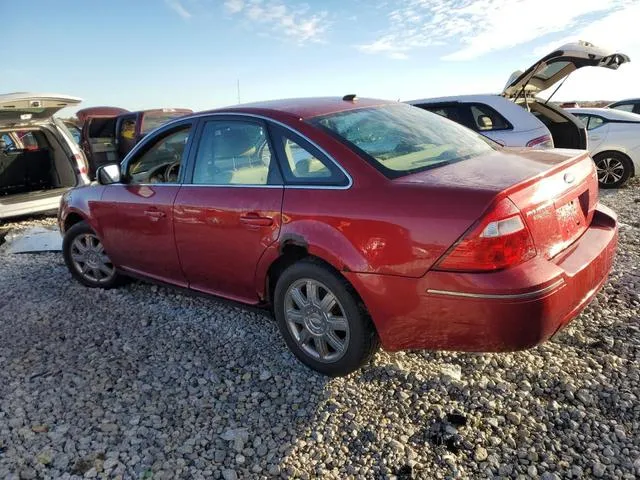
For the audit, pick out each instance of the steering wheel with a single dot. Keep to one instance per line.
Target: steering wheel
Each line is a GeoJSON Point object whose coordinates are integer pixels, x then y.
{"type": "Point", "coordinates": [167, 173]}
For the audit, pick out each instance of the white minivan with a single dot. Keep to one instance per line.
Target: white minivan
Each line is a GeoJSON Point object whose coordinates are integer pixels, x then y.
{"type": "Point", "coordinates": [39, 158]}
{"type": "Point", "coordinates": [516, 117]}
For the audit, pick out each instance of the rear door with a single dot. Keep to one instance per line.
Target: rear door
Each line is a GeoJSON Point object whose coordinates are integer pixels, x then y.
{"type": "Point", "coordinates": [98, 142]}
{"type": "Point", "coordinates": [597, 130]}
{"type": "Point", "coordinates": [229, 210]}
{"type": "Point", "coordinates": [136, 217]}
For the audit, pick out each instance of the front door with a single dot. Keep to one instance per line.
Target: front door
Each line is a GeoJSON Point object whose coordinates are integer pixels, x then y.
{"type": "Point", "coordinates": [136, 217]}
{"type": "Point", "coordinates": [229, 210]}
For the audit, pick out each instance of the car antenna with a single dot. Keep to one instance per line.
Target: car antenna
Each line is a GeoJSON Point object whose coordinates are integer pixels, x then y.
{"type": "Point", "coordinates": [558, 88]}
{"type": "Point", "coordinates": [350, 97]}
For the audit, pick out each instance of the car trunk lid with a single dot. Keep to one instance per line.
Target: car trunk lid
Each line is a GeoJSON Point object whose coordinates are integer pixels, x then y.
{"type": "Point", "coordinates": [29, 108]}
{"type": "Point", "coordinates": [559, 64]}
{"type": "Point", "coordinates": [556, 191]}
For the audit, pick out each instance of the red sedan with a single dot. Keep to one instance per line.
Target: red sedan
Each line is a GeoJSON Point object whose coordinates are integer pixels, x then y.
{"type": "Point", "coordinates": [357, 221]}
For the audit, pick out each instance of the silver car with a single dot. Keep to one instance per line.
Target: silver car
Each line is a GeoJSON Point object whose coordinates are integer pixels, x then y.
{"type": "Point", "coordinates": [39, 158]}
{"type": "Point", "coordinates": [516, 117]}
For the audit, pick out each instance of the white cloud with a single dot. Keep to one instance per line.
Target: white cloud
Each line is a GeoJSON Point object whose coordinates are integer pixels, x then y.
{"type": "Point", "coordinates": [234, 6]}
{"type": "Point", "coordinates": [477, 27]}
{"type": "Point", "coordinates": [177, 7]}
{"type": "Point", "coordinates": [293, 22]}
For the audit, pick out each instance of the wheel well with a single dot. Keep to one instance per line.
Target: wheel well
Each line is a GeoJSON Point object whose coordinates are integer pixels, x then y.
{"type": "Point", "coordinates": [622, 154]}
{"type": "Point", "coordinates": [71, 220]}
{"type": "Point", "coordinates": [292, 253]}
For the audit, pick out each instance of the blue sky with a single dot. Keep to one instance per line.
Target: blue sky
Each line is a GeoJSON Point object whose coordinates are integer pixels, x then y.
{"type": "Point", "coordinates": [190, 53]}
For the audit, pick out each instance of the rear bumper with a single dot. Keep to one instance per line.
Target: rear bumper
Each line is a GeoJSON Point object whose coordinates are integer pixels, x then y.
{"type": "Point", "coordinates": [507, 310]}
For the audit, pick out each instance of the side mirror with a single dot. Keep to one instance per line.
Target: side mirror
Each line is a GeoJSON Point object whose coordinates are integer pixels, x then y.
{"type": "Point", "coordinates": [108, 174]}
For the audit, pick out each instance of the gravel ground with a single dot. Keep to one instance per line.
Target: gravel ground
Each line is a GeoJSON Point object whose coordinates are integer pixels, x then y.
{"type": "Point", "coordinates": [144, 382]}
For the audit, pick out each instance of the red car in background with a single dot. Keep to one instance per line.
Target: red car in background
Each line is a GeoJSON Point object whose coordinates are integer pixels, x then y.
{"type": "Point", "coordinates": [357, 221]}
{"type": "Point", "coordinates": [109, 133]}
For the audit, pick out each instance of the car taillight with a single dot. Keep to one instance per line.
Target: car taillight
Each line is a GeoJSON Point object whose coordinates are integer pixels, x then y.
{"type": "Point", "coordinates": [545, 141]}
{"type": "Point", "coordinates": [500, 240]}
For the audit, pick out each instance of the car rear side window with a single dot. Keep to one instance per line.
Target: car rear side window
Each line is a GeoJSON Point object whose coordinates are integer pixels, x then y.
{"type": "Point", "coordinates": [486, 119]}
{"type": "Point", "coordinates": [304, 164]}
{"type": "Point", "coordinates": [234, 152]}
{"type": "Point", "coordinates": [399, 139]}
{"type": "Point", "coordinates": [595, 122]}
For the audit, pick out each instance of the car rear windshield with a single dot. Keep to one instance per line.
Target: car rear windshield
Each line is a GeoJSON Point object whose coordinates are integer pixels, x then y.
{"type": "Point", "coordinates": [400, 139]}
{"type": "Point", "coordinates": [153, 120]}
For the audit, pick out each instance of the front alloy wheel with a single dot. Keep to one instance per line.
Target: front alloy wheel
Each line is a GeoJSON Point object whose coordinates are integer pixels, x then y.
{"type": "Point", "coordinates": [86, 258]}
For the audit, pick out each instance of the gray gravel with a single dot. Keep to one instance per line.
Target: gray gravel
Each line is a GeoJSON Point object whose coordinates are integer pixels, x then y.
{"type": "Point", "coordinates": [144, 382]}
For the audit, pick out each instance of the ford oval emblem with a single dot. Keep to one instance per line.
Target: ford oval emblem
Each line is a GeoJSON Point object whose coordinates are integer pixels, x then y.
{"type": "Point", "coordinates": [569, 178]}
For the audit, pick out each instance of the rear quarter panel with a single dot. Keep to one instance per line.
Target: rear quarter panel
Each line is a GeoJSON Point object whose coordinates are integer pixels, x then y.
{"type": "Point", "coordinates": [391, 229]}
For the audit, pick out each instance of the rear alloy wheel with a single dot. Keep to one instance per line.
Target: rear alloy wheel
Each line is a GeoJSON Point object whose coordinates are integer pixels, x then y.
{"type": "Point", "coordinates": [614, 169]}
{"type": "Point", "coordinates": [86, 258]}
{"type": "Point", "coordinates": [321, 320]}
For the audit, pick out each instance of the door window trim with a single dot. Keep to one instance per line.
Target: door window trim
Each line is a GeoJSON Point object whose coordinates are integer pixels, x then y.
{"type": "Point", "coordinates": [270, 124]}
{"type": "Point", "coordinates": [187, 179]}
{"type": "Point", "coordinates": [142, 146]}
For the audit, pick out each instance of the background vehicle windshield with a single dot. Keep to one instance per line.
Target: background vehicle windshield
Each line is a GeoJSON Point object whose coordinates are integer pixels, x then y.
{"type": "Point", "coordinates": [401, 139]}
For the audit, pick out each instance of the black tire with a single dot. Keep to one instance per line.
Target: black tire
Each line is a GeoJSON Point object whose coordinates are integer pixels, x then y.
{"type": "Point", "coordinates": [618, 163]}
{"type": "Point", "coordinates": [78, 230]}
{"type": "Point", "coordinates": [361, 342]}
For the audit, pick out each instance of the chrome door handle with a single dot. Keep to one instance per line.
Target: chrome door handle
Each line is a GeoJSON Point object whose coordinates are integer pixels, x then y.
{"type": "Point", "coordinates": [256, 220]}
{"type": "Point", "coordinates": [156, 214]}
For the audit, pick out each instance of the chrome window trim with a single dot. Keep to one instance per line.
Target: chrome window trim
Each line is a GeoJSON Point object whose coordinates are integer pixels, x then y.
{"type": "Point", "coordinates": [498, 296]}
{"type": "Point", "coordinates": [266, 119]}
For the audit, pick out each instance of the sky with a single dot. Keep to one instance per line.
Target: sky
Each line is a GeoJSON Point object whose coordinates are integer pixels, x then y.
{"type": "Point", "coordinates": [193, 53]}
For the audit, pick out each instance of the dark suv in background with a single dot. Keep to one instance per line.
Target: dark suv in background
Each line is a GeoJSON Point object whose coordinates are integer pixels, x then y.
{"type": "Point", "coordinates": [109, 133]}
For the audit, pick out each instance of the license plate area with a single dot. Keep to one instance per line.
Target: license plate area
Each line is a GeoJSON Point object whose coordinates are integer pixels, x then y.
{"type": "Point", "coordinates": [572, 216]}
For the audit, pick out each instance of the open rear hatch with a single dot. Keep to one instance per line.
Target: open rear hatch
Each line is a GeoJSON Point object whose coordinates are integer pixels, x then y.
{"type": "Point", "coordinates": [557, 66]}
{"type": "Point", "coordinates": [28, 108]}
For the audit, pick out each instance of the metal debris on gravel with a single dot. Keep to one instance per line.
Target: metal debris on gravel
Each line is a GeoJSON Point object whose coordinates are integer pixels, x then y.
{"type": "Point", "coordinates": [144, 382]}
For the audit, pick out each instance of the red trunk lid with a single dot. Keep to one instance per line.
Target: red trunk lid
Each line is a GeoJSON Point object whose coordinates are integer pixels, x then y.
{"type": "Point", "coordinates": [555, 190]}
{"type": "Point", "coordinates": [559, 207]}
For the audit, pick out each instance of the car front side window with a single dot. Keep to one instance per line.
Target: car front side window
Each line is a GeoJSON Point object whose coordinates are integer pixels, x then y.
{"type": "Point", "coordinates": [160, 160]}
{"type": "Point", "coordinates": [234, 152]}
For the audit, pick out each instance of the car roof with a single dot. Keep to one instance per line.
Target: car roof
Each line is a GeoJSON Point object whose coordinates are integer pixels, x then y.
{"type": "Point", "coordinates": [302, 108]}
{"type": "Point", "coordinates": [626, 100]}
{"type": "Point", "coordinates": [609, 113]}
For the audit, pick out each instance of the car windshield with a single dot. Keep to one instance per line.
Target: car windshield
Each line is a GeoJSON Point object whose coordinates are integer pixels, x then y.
{"type": "Point", "coordinates": [153, 120]}
{"type": "Point", "coordinates": [400, 139]}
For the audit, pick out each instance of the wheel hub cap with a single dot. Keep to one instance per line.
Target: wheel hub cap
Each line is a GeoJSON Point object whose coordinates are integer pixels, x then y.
{"type": "Point", "coordinates": [90, 259]}
{"type": "Point", "coordinates": [316, 320]}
